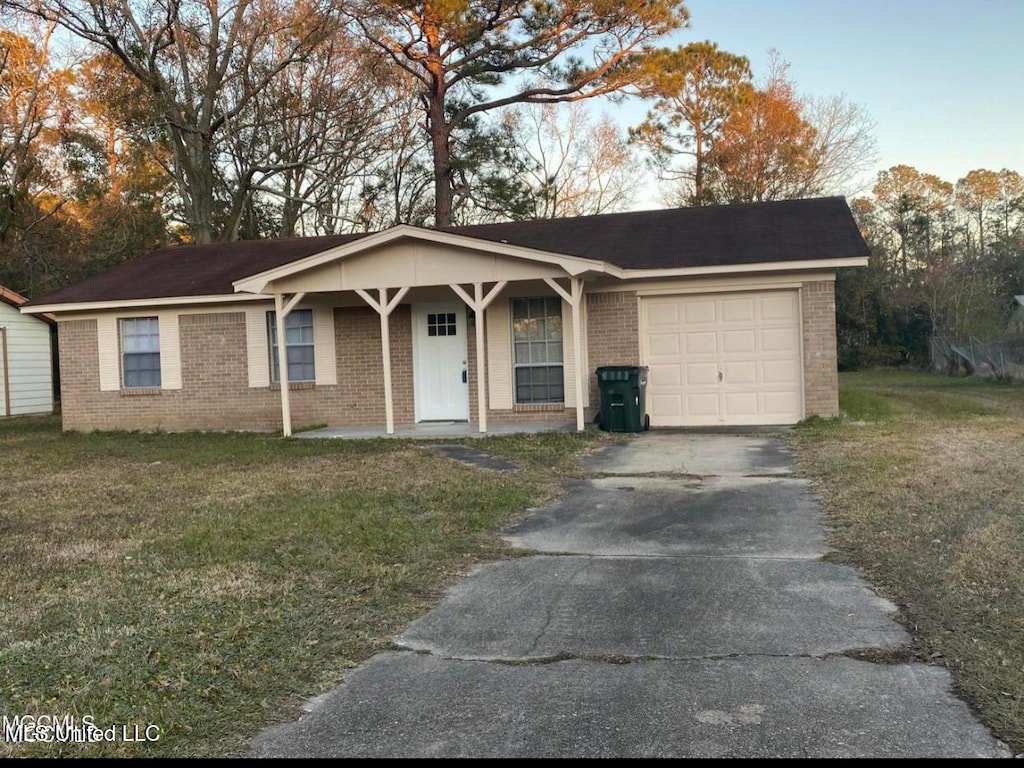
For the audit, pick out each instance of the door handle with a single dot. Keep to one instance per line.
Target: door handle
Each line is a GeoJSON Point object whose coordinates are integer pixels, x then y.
{"type": "Point", "coordinates": [720, 375]}
{"type": "Point", "coordinates": [465, 376]}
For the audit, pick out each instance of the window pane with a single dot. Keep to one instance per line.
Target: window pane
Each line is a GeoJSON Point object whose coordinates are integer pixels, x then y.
{"type": "Point", "coordinates": [301, 372]}
{"type": "Point", "coordinates": [303, 354]}
{"type": "Point", "coordinates": [554, 327]}
{"type": "Point", "coordinates": [522, 352]}
{"type": "Point", "coordinates": [555, 352]}
{"type": "Point", "coordinates": [540, 384]}
{"type": "Point", "coordinates": [141, 370]}
{"type": "Point", "coordinates": [140, 334]}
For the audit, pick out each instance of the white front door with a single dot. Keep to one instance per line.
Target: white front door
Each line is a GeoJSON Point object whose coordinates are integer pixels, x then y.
{"type": "Point", "coordinates": [439, 364]}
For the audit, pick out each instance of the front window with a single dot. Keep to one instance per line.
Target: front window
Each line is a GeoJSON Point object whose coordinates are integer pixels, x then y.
{"type": "Point", "coordinates": [140, 352]}
{"type": "Point", "coordinates": [298, 330]}
{"type": "Point", "coordinates": [537, 350]}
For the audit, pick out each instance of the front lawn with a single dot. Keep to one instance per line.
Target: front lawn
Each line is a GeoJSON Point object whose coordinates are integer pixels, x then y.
{"type": "Point", "coordinates": [922, 479]}
{"type": "Point", "coordinates": [206, 583]}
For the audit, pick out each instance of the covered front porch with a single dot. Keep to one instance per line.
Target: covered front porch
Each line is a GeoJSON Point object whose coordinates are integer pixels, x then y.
{"type": "Point", "coordinates": [408, 266]}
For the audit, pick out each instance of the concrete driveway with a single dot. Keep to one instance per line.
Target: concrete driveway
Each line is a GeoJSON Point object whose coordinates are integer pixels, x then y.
{"type": "Point", "coordinates": [679, 607]}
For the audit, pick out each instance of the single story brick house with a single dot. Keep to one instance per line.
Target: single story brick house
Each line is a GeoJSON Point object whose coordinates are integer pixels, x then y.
{"type": "Point", "coordinates": [732, 308]}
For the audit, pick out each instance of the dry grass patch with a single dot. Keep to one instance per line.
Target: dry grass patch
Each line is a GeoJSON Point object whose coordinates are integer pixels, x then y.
{"type": "Point", "coordinates": [923, 484]}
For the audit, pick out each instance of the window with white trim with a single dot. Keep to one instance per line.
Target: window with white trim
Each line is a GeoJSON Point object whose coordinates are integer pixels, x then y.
{"type": "Point", "coordinates": [140, 352]}
{"type": "Point", "coordinates": [298, 331]}
{"type": "Point", "coordinates": [537, 350]}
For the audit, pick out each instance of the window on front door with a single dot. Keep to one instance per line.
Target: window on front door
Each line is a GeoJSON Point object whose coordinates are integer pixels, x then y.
{"type": "Point", "coordinates": [298, 330]}
{"type": "Point", "coordinates": [537, 350]}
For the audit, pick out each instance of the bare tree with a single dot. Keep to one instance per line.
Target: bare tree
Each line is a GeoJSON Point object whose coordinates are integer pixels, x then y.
{"type": "Point", "coordinates": [844, 145]}
{"type": "Point", "coordinates": [574, 166]}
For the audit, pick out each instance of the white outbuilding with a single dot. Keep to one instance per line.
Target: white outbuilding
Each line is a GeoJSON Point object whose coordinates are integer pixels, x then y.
{"type": "Point", "coordinates": [26, 358]}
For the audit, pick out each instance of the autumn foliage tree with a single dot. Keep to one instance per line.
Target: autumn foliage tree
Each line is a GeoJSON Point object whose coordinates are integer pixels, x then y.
{"type": "Point", "coordinates": [945, 263]}
{"type": "Point", "coordinates": [201, 65]}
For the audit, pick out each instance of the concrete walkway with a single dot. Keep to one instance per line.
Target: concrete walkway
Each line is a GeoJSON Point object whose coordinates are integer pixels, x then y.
{"type": "Point", "coordinates": [679, 607]}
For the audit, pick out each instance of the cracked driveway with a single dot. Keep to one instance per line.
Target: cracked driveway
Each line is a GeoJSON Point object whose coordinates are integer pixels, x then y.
{"type": "Point", "coordinates": [679, 606]}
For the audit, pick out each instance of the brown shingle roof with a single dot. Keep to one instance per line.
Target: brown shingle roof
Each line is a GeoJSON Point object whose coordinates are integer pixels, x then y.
{"type": "Point", "coordinates": [719, 235]}
{"type": "Point", "coordinates": [726, 235]}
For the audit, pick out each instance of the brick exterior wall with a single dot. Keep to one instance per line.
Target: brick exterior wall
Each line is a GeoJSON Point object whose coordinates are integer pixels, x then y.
{"type": "Point", "coordinates": [215, 393]}
{"type": "Point", "coordinates": [821, 377]}
{"type": "Point", "coordinates": [613, 334]}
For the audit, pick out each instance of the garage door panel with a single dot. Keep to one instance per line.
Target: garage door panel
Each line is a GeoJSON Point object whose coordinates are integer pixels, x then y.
{"type": "Point", "coordinates": [662, 313]}
{"type": "Point", "coordinates": [783, 403]}
{"type": "Point", "coordinates": [740, 373]}
{"type": "Point", "coordinates": [701, 343]}
{"type": "Point", "coordinates": [739, 342]}
{"type": "Point", "coordinates": [665, 408]}
{"type": "Point", "coordinates": [779, 307]}
{"type": "Point", "coordinates": [738, 404]}
{"type": "Point", "coordinates": [664, 345]}
{"type": "Point", "coordinates": [665, 375]}
{"type": "Point", "coordinates": [703, 408]}
{"type": "Point", "coordinates": [729, 359]}
{"type": "Point", "coordinates": [739, 310]}
{"type": "Point", "coordinates": [700, 312]}
{"type": "Point", "coordinates": [780, 372]}
{"type": "Point", "coordinates": [701, 374]}
{"type": "Point", "coordinates": [778, 340]}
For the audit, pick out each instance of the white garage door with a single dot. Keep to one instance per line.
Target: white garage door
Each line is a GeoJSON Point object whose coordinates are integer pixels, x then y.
{"type": "Point", "coordinates": [723, 359]}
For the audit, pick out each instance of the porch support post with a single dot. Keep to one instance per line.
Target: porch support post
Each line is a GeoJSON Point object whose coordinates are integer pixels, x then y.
{"type": "Point", "coordinates": [574, 298]}
{"type": "Point", "coordinates": [282, 309]}
{"type": "Point", "coordinates": [479, 303]}
{"type": "Point", "coordinates": [384, 307]}
{"type": "Point", "coordinates": [576, 283]}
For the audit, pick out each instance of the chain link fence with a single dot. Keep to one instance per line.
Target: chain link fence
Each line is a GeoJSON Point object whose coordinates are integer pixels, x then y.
{"type": "Point", "coordinates": [1002, 360]}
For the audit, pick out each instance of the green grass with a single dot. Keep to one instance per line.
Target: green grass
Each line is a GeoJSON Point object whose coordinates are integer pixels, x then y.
{"type": "Point", "coordinates": [922, 478]}
{"type": "Point", "coordinates": [206, 583]}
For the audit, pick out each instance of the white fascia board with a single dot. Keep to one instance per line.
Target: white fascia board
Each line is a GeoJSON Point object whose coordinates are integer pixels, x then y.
{"type": "Point", "coordinates": [101, 306]}
{"type": "Point", "coordinates": [771, 266]}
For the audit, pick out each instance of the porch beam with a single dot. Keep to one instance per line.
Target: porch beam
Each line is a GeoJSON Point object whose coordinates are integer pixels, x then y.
{"type": "Point", "coordinates": [384, 306]}
{"type": "Point", "coordinates": [281, 310]}
{"type": "Point", "coordinates": [567, 295]}
{"type": "Point", "coordinates": [290, 304]}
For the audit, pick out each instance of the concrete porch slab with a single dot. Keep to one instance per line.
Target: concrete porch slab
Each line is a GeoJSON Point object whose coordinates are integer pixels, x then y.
{"type": "Point", "coordinates": [434, 431]}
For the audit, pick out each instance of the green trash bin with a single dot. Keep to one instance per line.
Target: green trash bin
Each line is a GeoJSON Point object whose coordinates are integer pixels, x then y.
{"type": "Point", "coordinates": [623, 390]}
